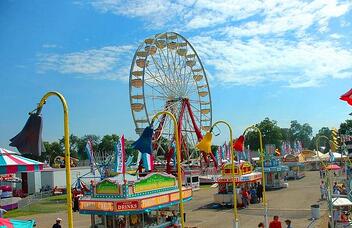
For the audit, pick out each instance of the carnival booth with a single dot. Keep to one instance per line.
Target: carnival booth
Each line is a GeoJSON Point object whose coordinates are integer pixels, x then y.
{"type": "Point", "coordinates": [245, 178]}
{"type": "Point", "coordinates": [131, 201]}
{"type": "Point", "coordinates": [10, 164]}
{"type": "Point", "coordinates": [296, 168]}
{"type": "Point", "coordinates": [275, 173]}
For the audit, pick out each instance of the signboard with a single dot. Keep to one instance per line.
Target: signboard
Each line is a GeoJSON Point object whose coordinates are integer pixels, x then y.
{"type": "Point", "coordinates": [96, 205]}
{"type": "Point", "coordinates": [127, 205]}
{"type": "Point", "coordinates": [154, 201]}
{"type": "Point", "coordinates": [154, 181]}
{"type": "Point", "coordinates": [132, 205]}
{"type": "Point", "coordinates": [107, 187]}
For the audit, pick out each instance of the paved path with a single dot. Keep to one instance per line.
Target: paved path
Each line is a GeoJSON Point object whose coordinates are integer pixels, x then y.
{"type": "Point", "coordinates": [291, 203]}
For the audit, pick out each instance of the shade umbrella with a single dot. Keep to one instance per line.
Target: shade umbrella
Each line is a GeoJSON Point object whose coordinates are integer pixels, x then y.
{"type": "Point", "coordinates": [12, 162]}
{"type": "Point", "coordinates": [332, 167]}
{"type": "Point", "coordinates": [13, 223]}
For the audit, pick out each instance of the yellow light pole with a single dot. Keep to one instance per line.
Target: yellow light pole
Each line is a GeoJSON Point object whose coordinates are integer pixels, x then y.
{"type": "Point", "coordinates": [265, 203]}
{"type": "Point", "coordinates": [178, 158]}
{"type": "Point", "coordinates": [67, 150]}
{"type": "Point", "coordinates": [235, 215]}
{"type": "Point", "coordinates": [329, 177]}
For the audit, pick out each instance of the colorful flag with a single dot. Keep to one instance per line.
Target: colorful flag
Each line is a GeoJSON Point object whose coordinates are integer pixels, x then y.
{"type": "Point", "coordinates": [120, 156]}
{"type": "Point", "coordinates": [347, 97]}
{"type": "Point", "coordinates": [148, 161]}
{"type": "Point", "coordinates": [238, 145]}
{"type": "Point", "coordinates": [90, 154]}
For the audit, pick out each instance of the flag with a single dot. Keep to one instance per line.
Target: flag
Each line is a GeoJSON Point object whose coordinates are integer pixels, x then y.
{"type": "Point", "coordinates": [120, 155]}
{"type": "Point", "coordinates": [144, 143]}
{"type": "Point", "coordinates": [347, 97]}
{"type": "Point", "coordinates": [238, 145]}
{"type": "Point", "coordinates": [331, 156]}
{"type": "Point", "coordinates": [148, 161]}
{"type": "Point", "coordinates": [90, 153]}
{"type": "Point", "coordinates": [29, 140]}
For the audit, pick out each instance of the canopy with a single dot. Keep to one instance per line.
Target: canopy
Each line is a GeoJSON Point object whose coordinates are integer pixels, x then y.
{"type": "Point", "coordinates": [341, 202]}
{"type": "Point", "coordinates": [332, 167]}
{"type": "Point", "coordinates": [10, 162]}
{"type": "Point", "coordinates": [13, 223]}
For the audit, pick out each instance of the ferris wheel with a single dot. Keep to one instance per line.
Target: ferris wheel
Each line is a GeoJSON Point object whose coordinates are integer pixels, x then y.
{"type": "Point", "coordinates": [167, 75]}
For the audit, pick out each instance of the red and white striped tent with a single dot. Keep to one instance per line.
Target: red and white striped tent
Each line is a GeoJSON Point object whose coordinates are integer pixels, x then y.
{"type": "Point", "coordinates": [12, 162]}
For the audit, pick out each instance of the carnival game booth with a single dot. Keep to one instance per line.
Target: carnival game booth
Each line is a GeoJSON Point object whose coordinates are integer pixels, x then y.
{"type": "Point", "coordinates": [296, 168]}
{"type": "Point", "coordinates": [150, 201]}
{"type": "Point", "coordinates": [245, 177]}
{"type": "Point", "coordinates": [274, 172]}
{"type": "Point", "coordinates": [11, 163]}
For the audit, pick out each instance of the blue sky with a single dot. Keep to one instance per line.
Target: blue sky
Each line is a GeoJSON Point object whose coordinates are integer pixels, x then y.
{"type": "Point", "coordinates": [286, 60]}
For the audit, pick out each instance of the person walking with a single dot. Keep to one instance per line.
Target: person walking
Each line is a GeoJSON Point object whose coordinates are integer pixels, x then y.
{"type": "Point", "coordinates": [275, 223]}
{"type": "Point", "coordinates": [57, 224]}
{"type": "Point", "coordinates": [288, 223]}
{"type": "Point", "coordinates": [322, 190]}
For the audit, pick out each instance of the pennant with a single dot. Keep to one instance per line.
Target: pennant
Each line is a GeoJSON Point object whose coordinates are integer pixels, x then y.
{"type": "Point", "coordinates": [120, 155]}
{"type": "Point", "coordinates": [144, 143]}
{"type": "Point", "coordinates": [347, 97]}
{"type": "Point", "coordinates": [238, 145]}
{"type": "Point", "coordinates": [148, 161]}
{"type": "Point", "coordinates": [90, 153]}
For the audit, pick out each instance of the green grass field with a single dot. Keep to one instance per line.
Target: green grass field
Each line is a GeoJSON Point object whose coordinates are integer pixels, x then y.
{"type": "Point", "coordinates": [48, 205]}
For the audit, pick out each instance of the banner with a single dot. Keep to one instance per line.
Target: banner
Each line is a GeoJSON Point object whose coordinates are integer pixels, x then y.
{"type": "Point", "coordinates": [90, 154]}
{"type": "Point", "coordinates": [148, 161]}
{"type": "Point", "coordinates": [120, 156]}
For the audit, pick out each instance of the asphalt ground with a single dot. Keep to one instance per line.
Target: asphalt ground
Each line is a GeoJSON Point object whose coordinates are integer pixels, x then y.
{"type": "Point", "coordinates": [292, 203]}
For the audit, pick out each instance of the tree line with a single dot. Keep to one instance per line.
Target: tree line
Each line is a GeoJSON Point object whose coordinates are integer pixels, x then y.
{"type": "Point", "coordinates": [271, 132]}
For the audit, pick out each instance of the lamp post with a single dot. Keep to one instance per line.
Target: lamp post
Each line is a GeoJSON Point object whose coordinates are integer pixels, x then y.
{"type": "Point", "coordinates": [265, 203]}
{"type": "Point", "coordinates": [207, 144]}
{"type": "Point", "coordinates": [329, 179]}
{"type": "Point", "coordinates": [178, 158]}
{"type": "Point", "coordinates": [67, 150]}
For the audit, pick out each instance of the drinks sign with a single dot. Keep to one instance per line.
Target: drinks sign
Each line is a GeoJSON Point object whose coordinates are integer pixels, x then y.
{"type": "Point", "coordinates": [126, 206]}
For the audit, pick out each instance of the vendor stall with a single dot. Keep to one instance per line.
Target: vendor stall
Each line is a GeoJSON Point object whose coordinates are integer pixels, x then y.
{"type": "Point", "coordinates": [148, 201]}
{"type": "Point", "coordinates": [10, 163]}
{"type": "Point", "coordinates": [245, 179]}
{"type": "Point", "coordinates": [275, 173]}
{"type": "Point", "coordinates": [296, 168]}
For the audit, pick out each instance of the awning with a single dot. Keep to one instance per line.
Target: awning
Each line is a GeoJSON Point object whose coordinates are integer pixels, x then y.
{"type": "Point", "coordinates": [16, 223]}
{"type": "Point", "coordinates": [341, 202]}
{"type": "Point", "coordinates": [10, 162]}
{"type": "Point", "coordinates": [332, 167]}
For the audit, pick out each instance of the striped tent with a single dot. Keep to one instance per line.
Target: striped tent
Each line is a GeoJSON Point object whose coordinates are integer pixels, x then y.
{"type": "Point", "coordinates": [13, 223]}
{"type": "Point", "coordinates": [12, 162]}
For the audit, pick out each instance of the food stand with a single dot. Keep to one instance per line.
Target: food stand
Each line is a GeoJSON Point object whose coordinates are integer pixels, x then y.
{"type": "Point", "coordinates": [296, 168]}
{"type": "Point", "coordinates": [274, 172]}
{"type": "Point", "coordinates": [244, 177]}
{"type": "Point", "coordinates": [131, 201]}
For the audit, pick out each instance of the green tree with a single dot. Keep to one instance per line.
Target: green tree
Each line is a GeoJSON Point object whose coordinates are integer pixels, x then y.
{"type": "Point", "coordinates": [271, 133]}
{"type": "Point", "coordinates": [107, 143]}
{"type": "Point", "coordinates": [52, 150]}
{"type": "Point", "coordinates": [325, 131]}
{"type": "Point", "coordinates": [301, 132]}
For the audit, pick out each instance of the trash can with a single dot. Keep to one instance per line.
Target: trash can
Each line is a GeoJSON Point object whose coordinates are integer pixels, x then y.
{"type": "Point", "coordinates": [315, 208]}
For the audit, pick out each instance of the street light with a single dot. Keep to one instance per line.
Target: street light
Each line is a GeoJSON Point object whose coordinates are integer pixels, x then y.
{"type": "Point", "coordinates": [205, 145]}
{"type": "Point", "coordinates": [265, 203]}
{"type": "Point", "coordinates": [329, 179]}
{"type": "Point", "coordinates": [31, 135]}
{"type": "Point", "coordinates": [178, 158]}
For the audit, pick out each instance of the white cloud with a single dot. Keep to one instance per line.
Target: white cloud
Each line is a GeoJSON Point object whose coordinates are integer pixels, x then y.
{"type": "Point", "coordinates": [295, 64]}
{"type": "Point", "coordinates": [105, 63]}
{"type": "Point", "coordinates": [49, 45]}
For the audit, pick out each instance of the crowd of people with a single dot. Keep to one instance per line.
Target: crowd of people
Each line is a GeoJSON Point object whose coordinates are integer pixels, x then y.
{"type": "Point", "coordinates": [251, 194]}
{"type": "Point", "coordinates": [276, 223]}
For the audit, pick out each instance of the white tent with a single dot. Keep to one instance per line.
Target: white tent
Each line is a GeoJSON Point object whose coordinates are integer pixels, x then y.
{"type": "Point", "coordinates": [341, 202]}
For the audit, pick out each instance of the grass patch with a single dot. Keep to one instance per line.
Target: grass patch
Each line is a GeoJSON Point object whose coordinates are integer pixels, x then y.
{"type": "Point", "coordinates": [205, 186]}
{"type": "Point", "coordinates": [51, 204]}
